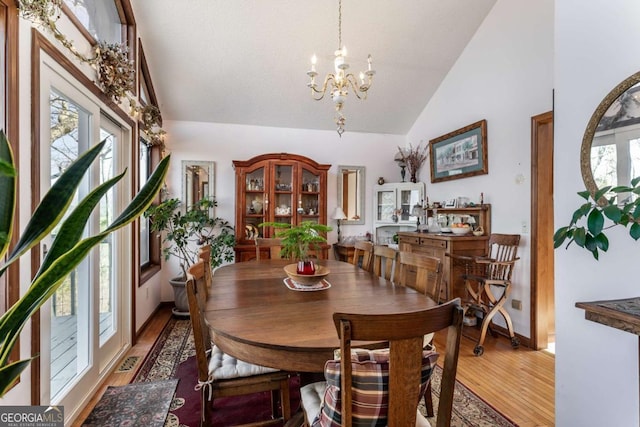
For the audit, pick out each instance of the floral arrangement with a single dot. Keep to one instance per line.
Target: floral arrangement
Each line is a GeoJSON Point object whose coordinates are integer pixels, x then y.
{"type": "Point", "coordinates": [414, 158]}
{"type": "Point", "coordinates": [116, 72]}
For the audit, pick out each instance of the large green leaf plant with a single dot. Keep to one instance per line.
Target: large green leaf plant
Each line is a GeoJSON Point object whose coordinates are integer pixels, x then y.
{"type": "Point", "coordinates": [186, 229]}
{"type": "Point", "coordinates": [68, 249]}
{"type": "Point", "coordinates": [591, 236]}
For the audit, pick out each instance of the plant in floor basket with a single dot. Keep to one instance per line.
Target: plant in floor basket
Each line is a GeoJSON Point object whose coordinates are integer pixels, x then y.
{"type": "Point", "coordinates": [69, 247]}
{"type": "Point", "coordinates": [185, 231]}
{"type": "Point", "coordinates": [297, 242]}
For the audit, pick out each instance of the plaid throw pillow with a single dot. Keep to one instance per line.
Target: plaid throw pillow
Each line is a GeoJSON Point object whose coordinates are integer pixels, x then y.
{"type": "Point", "coordinates": [370, 388]}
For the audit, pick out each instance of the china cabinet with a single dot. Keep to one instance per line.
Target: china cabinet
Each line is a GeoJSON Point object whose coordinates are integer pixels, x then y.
{"type": "Point", "coordinates": [277, 187]}
{"type": "Point", "coordinates": [393, 204]}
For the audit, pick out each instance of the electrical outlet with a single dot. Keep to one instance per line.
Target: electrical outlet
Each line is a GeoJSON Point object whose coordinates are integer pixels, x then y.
{"type": "Point", "coordinates": [525, 227]}
{"type": "Point", "coordinates": [516, 304]}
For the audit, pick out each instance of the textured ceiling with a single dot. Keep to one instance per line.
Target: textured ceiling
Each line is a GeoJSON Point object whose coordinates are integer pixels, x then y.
{"type": "Point", "coordinates": [245, 61]}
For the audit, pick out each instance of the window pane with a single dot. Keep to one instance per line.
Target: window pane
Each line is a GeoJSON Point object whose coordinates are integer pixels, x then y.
{"type": "Point", "coordinates": [69, 338]}
{"type": "Point", "coordinates": [107, 255]}
{"type": "Point", "coordinates": [603, 163]}
{"type": "Point", "coordinates": [99, 17]}
{"type": "Point", "coordinates": [145, 163]}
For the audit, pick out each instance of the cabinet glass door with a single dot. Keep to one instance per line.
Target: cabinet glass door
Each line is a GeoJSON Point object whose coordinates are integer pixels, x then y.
{"type": "Point", "coordinates": [255, 198]}
{"type": "Point", "coordinates": [309, 197]}
{"type": "Point", "coordinates": [408, 199]}
{"type": "Point", "coordinates": [385, 205]}
{"type": "Point", "coordinates": [282, 206]}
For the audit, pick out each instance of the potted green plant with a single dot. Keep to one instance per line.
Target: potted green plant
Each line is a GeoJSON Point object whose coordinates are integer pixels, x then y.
{"type": "Point", "coordinates": [595, 210]}
{"type": "Point", "coordinates": [69, 247]}
{"type": "Point", "coordinates": [298, 240]}
{"type": "Point", "coordinates": [185, 230]}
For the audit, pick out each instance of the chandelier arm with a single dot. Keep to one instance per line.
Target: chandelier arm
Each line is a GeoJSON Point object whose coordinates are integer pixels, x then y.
{"type": "Point", "coordinates": [330, 78]}
{"type": "Point", "coordinates": [353, 82]}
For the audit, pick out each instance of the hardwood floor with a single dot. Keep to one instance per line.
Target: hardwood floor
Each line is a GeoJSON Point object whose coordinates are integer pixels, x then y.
{"type": "Point", "coordinates": [518, 383]}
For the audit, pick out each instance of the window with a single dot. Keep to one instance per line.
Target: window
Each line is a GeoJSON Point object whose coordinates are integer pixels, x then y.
{"type": "Point", "coordinates": [100, 18]}
{"type": "Point", "coordinates": [111, 21]}
{"type": "Point", "coordinates": [149, 156]}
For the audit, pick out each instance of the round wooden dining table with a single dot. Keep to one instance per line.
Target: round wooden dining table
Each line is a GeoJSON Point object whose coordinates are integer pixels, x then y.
{"type": "Point", "coordinates": [255, 317]}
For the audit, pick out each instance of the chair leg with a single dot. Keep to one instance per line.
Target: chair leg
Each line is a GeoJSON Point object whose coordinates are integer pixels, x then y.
{"type": "Point", "coordinates": [285, 399]}
{"type": "Point", "coordinates": [428, 401]}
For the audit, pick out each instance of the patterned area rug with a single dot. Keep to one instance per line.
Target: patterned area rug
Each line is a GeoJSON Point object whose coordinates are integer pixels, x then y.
{"type": "Point", "coordinates": [172, 357]}
{"type": "Point", "coordinates": [468, 408]}
{"type": "Point", "coordinates": [141, 404]}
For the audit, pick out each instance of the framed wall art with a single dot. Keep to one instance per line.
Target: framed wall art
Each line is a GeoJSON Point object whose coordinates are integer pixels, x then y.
{"type": "Point", "coordinates": [459, 154]}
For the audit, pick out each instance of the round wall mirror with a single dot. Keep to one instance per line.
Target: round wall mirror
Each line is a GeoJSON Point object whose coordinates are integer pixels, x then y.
{"type": "Point", "coordinates": [610, 152]}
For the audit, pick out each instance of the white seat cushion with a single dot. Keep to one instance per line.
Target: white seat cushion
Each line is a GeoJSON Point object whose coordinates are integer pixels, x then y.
{"type": "Point", "coordinates": [311, 396]}
{"type": "Point", "coordinates": [224, 367]}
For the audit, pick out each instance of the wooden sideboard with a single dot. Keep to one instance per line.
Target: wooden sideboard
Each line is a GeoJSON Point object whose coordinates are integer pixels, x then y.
{"type": "Point", "coordinates": [442, 245]}
{"type": "Point", "coordinates": [343, 252]}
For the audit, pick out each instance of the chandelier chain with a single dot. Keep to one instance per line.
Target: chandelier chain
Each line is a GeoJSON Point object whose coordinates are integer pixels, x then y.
{"type": "Point", "coordinates": [340, 25]}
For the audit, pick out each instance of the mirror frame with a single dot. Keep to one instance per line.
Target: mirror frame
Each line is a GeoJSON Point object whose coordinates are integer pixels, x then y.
{"type": "Point", "coordinates": [590, 131]}
{"type": "Point", "coordinates": [209, 166]}
{"type": "Point", "coordinates": [361, 196]}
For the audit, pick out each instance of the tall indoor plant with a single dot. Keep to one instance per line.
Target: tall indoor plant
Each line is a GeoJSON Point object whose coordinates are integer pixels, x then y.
{"type": "Point", "coordinates": [185, 231]}
{"type": "Point", "coordinates": [69, 247]}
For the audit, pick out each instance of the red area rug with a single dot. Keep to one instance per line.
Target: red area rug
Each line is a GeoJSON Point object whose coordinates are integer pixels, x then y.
{"type": "Point", "coordinates": [173, 356]}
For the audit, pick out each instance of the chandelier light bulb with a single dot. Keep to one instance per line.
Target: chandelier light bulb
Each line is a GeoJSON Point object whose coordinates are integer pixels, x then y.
{"type": "Point", "coordinates": [314, 60]}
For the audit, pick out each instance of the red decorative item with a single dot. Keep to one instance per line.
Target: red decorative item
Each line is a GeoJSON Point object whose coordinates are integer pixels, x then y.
{"type": "Point", "coordinates": [306, 267]}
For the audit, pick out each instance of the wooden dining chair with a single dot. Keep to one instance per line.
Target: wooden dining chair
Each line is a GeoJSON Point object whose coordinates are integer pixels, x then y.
{"type": "Point", "coordinates": [272, 244]}
{"type": "Point", "coordinates": [363, 254]}
{"type": "Point", "coordinates": [384, 261]}
{"type": "Point", "coordinates": [422, 273]}
{"type": "Point", "coordinates": [204, 255]}
{"type": "Point", "coordinates": [357, 392]}
{"type": "Point", "coordinates": [221, 375]}
{"type": "Point", "coordinates": [488, 284]}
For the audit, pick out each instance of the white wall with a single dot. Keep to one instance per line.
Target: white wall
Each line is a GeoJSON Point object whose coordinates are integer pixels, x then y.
{"type": "Point", "coordinates": [504, 76]}
{"type": "Point", "coordinates": [596, 366]}
{"type": "Point", "coordinates": [223, 143]}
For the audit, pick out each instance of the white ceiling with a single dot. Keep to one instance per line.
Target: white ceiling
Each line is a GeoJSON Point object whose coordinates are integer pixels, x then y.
{"type": "Point", "coordinates": [245, 61]}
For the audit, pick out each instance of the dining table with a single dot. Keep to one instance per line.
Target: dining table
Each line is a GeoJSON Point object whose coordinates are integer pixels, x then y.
{"type": "Point", "coordinates": [255, 316]}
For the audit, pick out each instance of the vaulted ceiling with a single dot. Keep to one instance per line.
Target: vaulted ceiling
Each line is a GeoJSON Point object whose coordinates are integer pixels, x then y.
{"type": "Point", "coordinates": [245, 61]}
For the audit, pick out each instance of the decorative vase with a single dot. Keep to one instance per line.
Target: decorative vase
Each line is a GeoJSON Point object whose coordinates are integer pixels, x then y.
{"type": "Point", "coordinates": [413, 177]}
{"type": "Point", "coordinates": [180, 297]}
{"type": "Point", "coordinates": [306, 267]}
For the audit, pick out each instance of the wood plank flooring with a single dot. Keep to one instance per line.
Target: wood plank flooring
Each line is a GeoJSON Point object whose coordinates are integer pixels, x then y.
{"type": "Point", "coordinates": [518, 383]}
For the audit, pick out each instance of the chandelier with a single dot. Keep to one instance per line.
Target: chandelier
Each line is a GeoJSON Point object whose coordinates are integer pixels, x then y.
{"type": "Point", "coordinates": [339, 82]}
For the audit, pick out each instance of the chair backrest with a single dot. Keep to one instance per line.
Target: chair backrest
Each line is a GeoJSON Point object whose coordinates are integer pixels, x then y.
{"type": "Point", "coordinates": [196, 295]}
{"type": "Point", "coordinates": [204, 254]}
{"type": "Point", "coordinates": [274, 246]}
{"type": "Point", "coordinates": [503, 249]}
{"type": "Point", "coordinates": [384, 259]}
{"type": "Point", "coordinates": [404, 332]}
{"type": "Point", "coordinates": [363, 254]}
{"type": "Point", "coordinates": [420, 272]}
